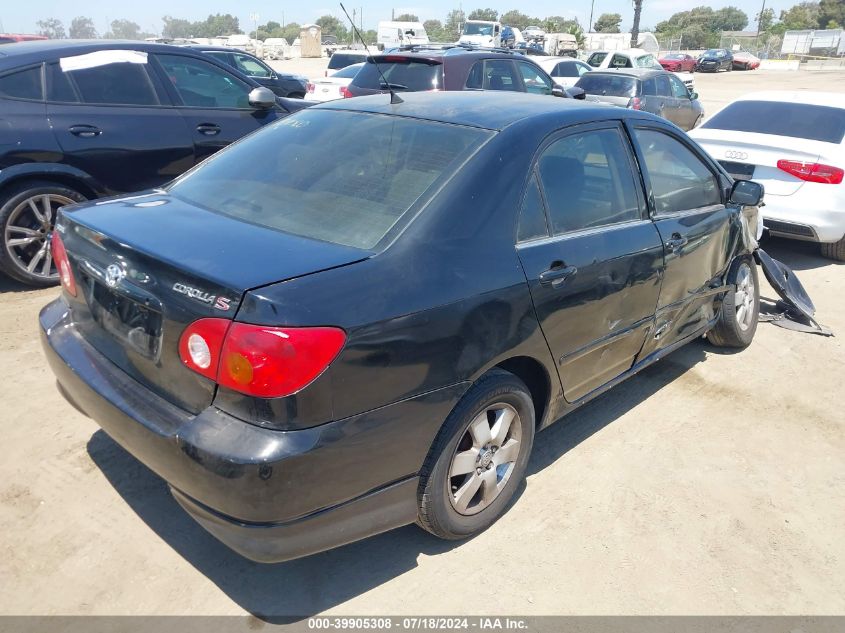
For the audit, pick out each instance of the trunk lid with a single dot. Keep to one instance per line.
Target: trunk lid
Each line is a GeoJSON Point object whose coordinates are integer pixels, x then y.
{"type": "Point", "coordinates": [755, 156]}
{"type": "Point", "coordinates": [140, 284]}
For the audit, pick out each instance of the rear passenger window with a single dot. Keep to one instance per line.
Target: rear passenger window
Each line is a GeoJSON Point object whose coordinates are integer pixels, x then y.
{"type": "Point", "coordinates": [649, 88]}
{"type": "Point", "coordinates": [58, 85]}
{"type": "Point", "coordinates": [115, 84]}
{"type": "Point", "coordinates": [679, 179]}
{"type": "Point", "coordinates": [532, 218]}
{"type": "Point", "coordinates": [499, 75]}
{"type": "Point", "coordinates": [24, 84]}
{"type": "Point", "coordinates": [664, 89]}
{"type": "Point", "coordinates": [588, 181]}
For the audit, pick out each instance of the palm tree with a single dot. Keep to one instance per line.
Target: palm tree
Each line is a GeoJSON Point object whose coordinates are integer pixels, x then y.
{"type": "Point", "coordinates": [635, 29]}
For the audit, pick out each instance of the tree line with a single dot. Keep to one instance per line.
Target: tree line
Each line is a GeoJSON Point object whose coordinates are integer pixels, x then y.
{"type": "Point", "coordinates": [82, 27]}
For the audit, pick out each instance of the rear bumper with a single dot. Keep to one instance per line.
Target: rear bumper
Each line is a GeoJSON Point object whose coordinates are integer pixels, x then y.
{"type": "Point", "coordinates": [809, 214]}
{"type": "Point", "coordinates": [269, 495]}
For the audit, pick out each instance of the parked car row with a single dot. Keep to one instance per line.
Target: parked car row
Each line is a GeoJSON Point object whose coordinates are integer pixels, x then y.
{"type": "Point", "coordinates": [712, 60]}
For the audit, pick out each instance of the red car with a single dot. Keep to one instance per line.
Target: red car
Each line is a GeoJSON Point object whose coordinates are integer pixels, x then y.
{"type": "Point", "coordinates": [743, 60]}
{"type": "Point", "coordinates": [678, 63]}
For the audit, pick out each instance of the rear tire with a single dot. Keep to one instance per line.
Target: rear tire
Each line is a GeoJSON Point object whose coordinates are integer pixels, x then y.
{"type": "Point", "coordinates": [737, 320]}
{"type": "Point", "coordinates": [834, 250]}
{"type": "Point", "coordinates": [27, 215]}
{"type": "Point", "coordinates": [478, 459]}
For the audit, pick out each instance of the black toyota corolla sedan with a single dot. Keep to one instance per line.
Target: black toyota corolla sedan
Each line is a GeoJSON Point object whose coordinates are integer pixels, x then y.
{"type": "Point", "coordinates": [315, 346]}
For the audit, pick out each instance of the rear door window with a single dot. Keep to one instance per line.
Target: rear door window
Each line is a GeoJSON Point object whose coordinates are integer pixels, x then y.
{"type": "Point", "coordinates": [411, 75]}
{"type": "Point", "coordinates": [588, 181]}
{"type": "Point", "coordinates": [532, 217]}
{"type": "Point", "coordinates": [117, 83]}
{"type": "Point", "coordinates": [797, 120]}
{"type": "Point", "coordinates": [649, 88]}
{"type": "Point", "coordinates": [354, 195]}
{"type": "Point", "coordinates": [499, 74]}
{"type": "Point", "coordinates": [23, 84]}
{"type": "Point", "coordinates": [664, 88]}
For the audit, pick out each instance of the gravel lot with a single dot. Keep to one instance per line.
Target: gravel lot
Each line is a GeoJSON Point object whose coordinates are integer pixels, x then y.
{"type": "Point", "coordinates": [711, 483]}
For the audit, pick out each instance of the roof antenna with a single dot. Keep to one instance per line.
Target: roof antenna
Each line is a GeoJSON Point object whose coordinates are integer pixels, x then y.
{"type": "Point", "coordinates": [394, 98]}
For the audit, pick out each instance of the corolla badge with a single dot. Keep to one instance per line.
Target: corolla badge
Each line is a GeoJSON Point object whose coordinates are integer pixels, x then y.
{"type": "Point", "coordinates": [114, 274]}
{"type": "Point", "coordinates": [219, 303]}
{"type": "Point", "coordinates": [734, 154]}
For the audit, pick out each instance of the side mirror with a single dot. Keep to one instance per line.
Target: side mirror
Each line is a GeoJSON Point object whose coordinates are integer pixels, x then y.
{"type": "Point", "coordinates": [262, 98]}
{"type": "Point", "coordinates": [747, 193]}
{"type": "Point", "coordinates": [577, 93]}
{"type": "Point", "coordinates": [557, 91]}
{"type": "Point", "coordinates": [693, 95]}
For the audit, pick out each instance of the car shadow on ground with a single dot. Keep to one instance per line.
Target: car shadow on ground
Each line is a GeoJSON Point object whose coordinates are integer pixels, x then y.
{"type": "Point", "coordinates": [291, 591]}
{"type": "Point", "coordinates": [796, 254]}
{"type": "Point", "coordinates": [7, 284]}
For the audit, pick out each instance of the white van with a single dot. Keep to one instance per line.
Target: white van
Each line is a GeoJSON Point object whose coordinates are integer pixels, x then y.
{"type": "Point", "coordinates": [393, 34]}
{"type": "Point", "coordinates": [481, 33]}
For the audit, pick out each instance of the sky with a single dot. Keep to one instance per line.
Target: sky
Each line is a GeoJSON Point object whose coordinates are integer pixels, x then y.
{"type": "Point", "coordinates": [21, 17]}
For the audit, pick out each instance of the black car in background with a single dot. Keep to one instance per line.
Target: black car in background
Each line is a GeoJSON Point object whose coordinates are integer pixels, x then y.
{"type": "Point", "coordinates": [334, 344]}
{"type": "Point", "coordinates": [282, 84]}
{"type": "Point", "coordinates": [438, 68]}
{"type": "Point", "coordinates": [86, 119]}
{"type": "Point", "coordinates": [714, 60]}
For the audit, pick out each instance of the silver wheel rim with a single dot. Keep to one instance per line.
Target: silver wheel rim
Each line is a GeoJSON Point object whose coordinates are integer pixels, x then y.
{"type": "Point", "coordinates": [744, 297]}
{"type": "Point", "coordinates": [28, 232]}
{"type": "Point", "coordinates": [484, 459]}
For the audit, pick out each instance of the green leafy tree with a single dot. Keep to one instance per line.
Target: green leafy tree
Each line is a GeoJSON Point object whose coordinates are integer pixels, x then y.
{"type": "Point", "coordinates": [491, 15]}
{"type": "Point", "coordinates": [52, 28]}
{"type": "Point", "coordinates": [217, 25]}
{"type": "Point", "coordinates": [435, 31]}
{"type": "Point", "coordinates": [765, 19]}
{"type": "Point", "coordinates": [517, 19]}
{"type": "Point", "coordinates": [407, 17]}
{"type": "Point", "coordinates": [453, 24]}
{"type": "Point", "coordinates": [332, 26]}
{"type": "Point", "coordinates": [802, 16]}
{"type": "Point", "coordinates": [557, 24]}
{"type": "Point", "coordinates": [177, 28]}
{"type": "Point", "coordinates": [290, 32]}
{"type": "Point", "coordinates": [124, 30]}
{"type": "Point", "coordinates": [578, 32]}
{"type": "Point", "coordinates": [729, 19]}
{"type": "Point", "coordinates": [82, 28]}
{"type": "Point", "coordinates": [832, 14]}
{"type": "Point", "coordinates": [608, 23]}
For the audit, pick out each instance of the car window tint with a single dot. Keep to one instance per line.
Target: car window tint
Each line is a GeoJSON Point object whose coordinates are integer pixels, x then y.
{"type": "Point", "coordinates": [588, 181]}
{"type": "Point", "coordinates": [664, 88]}
{"type": "Point", "coordinates": [352, 195]}
{"type": "Point", "coordinates": [796, 120]}
{"type": "Point", "coordinates": [532, 218]}
{"type": "Point", "coordinates": [475, 79]}
{"type": "Point", "coordinates": [251, 67]}
{"type": "Point", "coordinates": [499, 74]}
{"type": "Point", "coordinates": [534, 79]}
{"type": "Point", "coordinates": [606, 84]}
{"type": "Point", "coordinates": [59, 87]}
{"type": "Point", "coordinates": [649, 88]}
{"type": "Point", "coordinates": [120, 83]}
{"type": "Point", "coordinates": [342, 60]}
{"type": "Point", "coordinates": [24, 84]}
{"type": "Point", "coordinates": [679, 90]}
{"type": "Point", "coordinates": [596, 59]}
{"type": "Point", "coordinates": [204, 85]}
{"type": "Point", "coordinates": [567, 69]}
{"type": "Point", "coordinates": [679, 179]}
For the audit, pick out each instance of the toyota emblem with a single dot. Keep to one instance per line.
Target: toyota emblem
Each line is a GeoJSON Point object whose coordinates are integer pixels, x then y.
{"type": "Point", "coordinates": [114, 274]}
{"type": "Point", "coordinates": [734, 154]}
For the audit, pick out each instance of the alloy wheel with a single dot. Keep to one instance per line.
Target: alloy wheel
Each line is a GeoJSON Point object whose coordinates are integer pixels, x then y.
{"type": "Point", "coordinates": [484, 459]}
{"type": "Point", "coordinates": [744, 297]}
{"type": "Point", "coordinates": [28, 232]}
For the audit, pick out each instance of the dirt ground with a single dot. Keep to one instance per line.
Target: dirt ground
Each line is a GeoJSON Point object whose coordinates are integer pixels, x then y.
{"type": "Point", "coordinates": [712, 483]}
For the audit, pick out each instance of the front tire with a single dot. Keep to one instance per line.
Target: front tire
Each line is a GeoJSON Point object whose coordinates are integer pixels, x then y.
{"type": "Point", "coordinates": [737, 321]}
{"type": "Point", "coordinates": [834, 250]}
{"type": "Point", "coordinates": [27, 215]}
{"type": "Point", "coordinates": [478, 459]}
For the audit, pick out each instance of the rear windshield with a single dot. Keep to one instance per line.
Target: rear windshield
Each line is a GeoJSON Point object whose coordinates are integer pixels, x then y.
{"type": "Point", "coordinates": [608, 85]}
{"type": "Point", "coordinates": [294, 176]}
{"type": "Point", "coordinates": [405, 75]}
{"type": "Point", "coordinates": [814, 122]}
{"type": "Point", "coordinates": [348, 72]}
{"type": "Point", "coordinates": [342, 60]}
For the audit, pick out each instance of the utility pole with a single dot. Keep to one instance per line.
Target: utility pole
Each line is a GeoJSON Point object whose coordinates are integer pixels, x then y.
{"type": "Point", "coordinates": [759, 19]}
{"type": "Point", "coordinates": [590, 25]}
{"type": "Point", "coordinates": [254, 17]}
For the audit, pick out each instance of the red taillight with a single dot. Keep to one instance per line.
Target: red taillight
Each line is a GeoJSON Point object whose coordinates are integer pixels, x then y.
{"type": "Point", "coordinates": [310, 87]}
{"type": "Point", "coordinates": [344, 92]}
{"type": "Point", "coordinates": [259, 360]}
{"type": "Point", "coordinates": [812, 172]}
{"type": "Point", "coordinates": [59, 253]}
{"type": "Point", "coordinates": [200, 345]}
{"type": "Point", "coordinates": [634, 103]}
